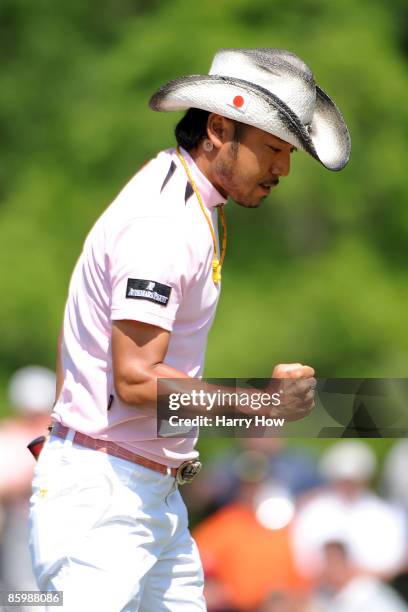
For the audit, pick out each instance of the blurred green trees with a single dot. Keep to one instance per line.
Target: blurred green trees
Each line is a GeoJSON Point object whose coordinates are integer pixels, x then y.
{"type": "Point", "coordinates": [317, 274]}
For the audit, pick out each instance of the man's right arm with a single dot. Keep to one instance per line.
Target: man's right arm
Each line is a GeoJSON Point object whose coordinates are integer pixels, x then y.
{"type": "Point", "coordinates": [138, 354]}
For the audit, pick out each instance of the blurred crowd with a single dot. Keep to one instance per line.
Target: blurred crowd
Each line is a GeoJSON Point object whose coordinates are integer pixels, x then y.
{"type": "Point", "coordinates": [280, 528]}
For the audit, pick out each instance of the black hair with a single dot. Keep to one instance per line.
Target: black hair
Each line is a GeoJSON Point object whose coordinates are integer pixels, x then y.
{"type": "Point", "coordinates": [192, 128]}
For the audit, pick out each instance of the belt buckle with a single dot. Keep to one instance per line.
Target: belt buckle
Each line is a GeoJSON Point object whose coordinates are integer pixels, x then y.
{"type": "Point", "coordinates": [187, 471]}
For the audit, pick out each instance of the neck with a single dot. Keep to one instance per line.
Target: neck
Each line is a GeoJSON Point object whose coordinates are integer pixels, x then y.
{"type": "Point", "coordinates": [206, 164]}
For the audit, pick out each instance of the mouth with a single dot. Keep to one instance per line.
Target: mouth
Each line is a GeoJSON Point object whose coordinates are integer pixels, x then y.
{"type": "Point", "coordinates": [268, 185]}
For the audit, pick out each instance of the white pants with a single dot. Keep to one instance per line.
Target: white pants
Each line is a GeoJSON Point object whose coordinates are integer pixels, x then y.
{"type": "Point", "coordinates": [112, 535]}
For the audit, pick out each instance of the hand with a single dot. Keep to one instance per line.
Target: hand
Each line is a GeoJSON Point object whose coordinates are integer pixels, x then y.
{"type": "Point", "coordinates": [292, 370]}
{"type": "Point", "coordinates": [296, 391]}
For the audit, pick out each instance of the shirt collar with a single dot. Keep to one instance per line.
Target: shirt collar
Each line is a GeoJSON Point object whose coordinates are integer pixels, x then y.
{"type": "Point", "coordinates": [209, 194]}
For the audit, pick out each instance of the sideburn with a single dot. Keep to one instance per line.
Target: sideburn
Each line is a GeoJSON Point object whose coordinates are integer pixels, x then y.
{"type": "Point", "coordinates": [239, 129]}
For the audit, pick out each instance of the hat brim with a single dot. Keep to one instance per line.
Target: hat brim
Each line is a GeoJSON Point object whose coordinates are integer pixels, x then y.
{"type": "Point", "coordinates": [326, 139]}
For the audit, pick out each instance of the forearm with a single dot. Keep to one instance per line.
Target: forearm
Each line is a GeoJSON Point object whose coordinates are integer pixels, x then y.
{"type": "Point", "coordinates": [139, 387]}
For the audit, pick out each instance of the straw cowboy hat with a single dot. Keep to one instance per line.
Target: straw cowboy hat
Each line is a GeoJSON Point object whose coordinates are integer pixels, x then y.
{"type": "Point", "coordinates": [271, 89]}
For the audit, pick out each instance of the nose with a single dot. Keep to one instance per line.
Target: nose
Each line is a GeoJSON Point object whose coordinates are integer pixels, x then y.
{"type": "Point", "coordinates": [281, 163]}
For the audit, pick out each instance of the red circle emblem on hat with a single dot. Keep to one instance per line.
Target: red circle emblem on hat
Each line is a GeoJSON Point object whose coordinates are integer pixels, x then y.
{"type": "Point", "coordinates": [238, 101]}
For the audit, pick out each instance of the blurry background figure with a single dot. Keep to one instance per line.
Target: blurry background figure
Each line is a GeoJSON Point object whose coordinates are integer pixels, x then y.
{"type": "Point", "coordinates": [31, 395]}
{"type": "Point", "coordinates": [345, 588]}
{"type": "Point", "coordinates": [245, 546]}
{"type": "Point", "coordinates": [282, 602]}
{"type": "Point", "coordinates": [394, 481]}
{"type": "Point", "coordinates": [347, 510]}
{"type": "Point", "coordinates": [394, 484]}
{"type": "Point", "coordinates": [293, 467]}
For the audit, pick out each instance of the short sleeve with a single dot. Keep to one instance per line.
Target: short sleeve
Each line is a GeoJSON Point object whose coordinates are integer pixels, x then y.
{"type": "Point", "coordinates": [148, 264]}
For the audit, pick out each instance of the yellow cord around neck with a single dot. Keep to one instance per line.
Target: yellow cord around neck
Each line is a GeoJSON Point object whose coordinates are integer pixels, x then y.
{"type": "Point", "coordinates": [217, 261]}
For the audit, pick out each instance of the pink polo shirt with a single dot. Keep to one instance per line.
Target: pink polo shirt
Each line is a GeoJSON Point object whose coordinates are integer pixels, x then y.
{"type": "Point", "coordinates": [147, 258]}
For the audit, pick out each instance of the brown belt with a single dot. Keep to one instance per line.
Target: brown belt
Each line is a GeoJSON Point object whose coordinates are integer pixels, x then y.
{"type": "Point", "coordinates": [111, 448]}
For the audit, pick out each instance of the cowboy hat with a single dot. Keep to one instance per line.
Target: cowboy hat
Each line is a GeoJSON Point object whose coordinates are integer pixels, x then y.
{"type": "Point", "coordinates": [271, 89]}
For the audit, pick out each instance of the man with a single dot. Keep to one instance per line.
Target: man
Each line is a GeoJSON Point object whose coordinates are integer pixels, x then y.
{"type": "Point", "coordinates": [109, 528]}
{"type": "Point", "coordinates": [345, 586]}
{"type": "Point", "coordinates": [30, 393]}
{"type": "Point", "coordinates": [372, 528]}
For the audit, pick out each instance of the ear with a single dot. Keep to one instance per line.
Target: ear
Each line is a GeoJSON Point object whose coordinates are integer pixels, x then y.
{"type": "Point", "coordinates": [219, 130]}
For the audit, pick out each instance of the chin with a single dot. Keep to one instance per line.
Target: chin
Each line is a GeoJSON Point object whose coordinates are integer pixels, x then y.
{"type": "Point", "coordinates": [254, 204]}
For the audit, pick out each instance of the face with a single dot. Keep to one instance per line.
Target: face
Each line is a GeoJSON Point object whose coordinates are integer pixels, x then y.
{"type": "Point", "coordinates": [247, 170]}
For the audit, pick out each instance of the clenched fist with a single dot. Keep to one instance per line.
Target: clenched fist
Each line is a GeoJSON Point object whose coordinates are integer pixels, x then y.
{"type": "Point", "coordinates": [296, 391]}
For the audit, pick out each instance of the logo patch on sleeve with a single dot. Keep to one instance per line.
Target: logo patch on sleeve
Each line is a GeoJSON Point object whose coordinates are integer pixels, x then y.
{"type": "Point", "coordinates": [140, 289]}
